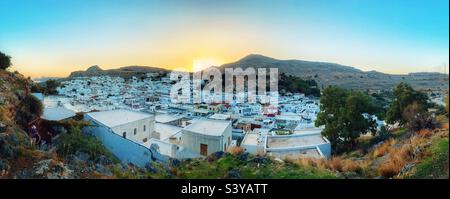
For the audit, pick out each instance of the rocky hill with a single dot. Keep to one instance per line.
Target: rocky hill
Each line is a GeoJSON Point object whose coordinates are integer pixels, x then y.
{"type": "Point", "coordinates": [344, 76]}
{"type": "Point", "coordinates": [125, 72]}
{"type": "Point", "coordinates": [323, 72]}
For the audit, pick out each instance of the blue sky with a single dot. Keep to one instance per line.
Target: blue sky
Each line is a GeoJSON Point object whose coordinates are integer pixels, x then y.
{"type": "Point", "coordinates": [55, 37]}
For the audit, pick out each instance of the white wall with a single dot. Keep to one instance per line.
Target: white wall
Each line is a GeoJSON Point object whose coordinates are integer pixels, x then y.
{"type": "Point", "coordinates": [192, 141]}
{"type": "Point", "coordinates": [139, 125]}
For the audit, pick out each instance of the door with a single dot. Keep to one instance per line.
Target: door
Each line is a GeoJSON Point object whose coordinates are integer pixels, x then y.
{"type": "Point", "coordinates": [203, 149]}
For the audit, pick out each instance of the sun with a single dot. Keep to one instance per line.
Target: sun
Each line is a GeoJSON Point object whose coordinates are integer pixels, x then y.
{"type": "Point", "coordinates": [203, 63]}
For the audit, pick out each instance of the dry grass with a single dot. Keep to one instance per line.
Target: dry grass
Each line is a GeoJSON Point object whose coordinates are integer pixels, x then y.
{"type": "Point", "coordinates": [424, 133]}
{"type": "Point", "coordinates": [236, 150]}
{"type": "Point", "coordinates": [398, 157]}
{"type": "Point", "coordinates": [337, 164]}
{"type": "Point", "coordinates": [384, 148]}
{"type": "Point", "coordinates": [445, 126]}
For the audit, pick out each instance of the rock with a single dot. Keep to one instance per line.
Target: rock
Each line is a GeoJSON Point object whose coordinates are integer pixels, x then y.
{"type": "Point", "coordinates": [103, 160]}
{"type": "Point", "coordinates": [350, 175]}
{"type": "Point", "coordinates": [407, 168]}
{"type": "Point", "coordinates": [234, 174]}
{"type": "Point", "coordinates": [4, 167]}
{"type": "Point", "coordinates": [260, 160]}
{"type": "Point", "coordinates": [279, 160]}
{"type": "Point", "coordinates": [6, 150]}
{"type": "Point", "coordinates": [175, 162]}
{"type": "Point", "coordinates": [218, 154]}
{"type": "Point", "coordinates": [150, 168]}
{"type": "Point", "coordinates": [82, 156]}
{"type": "Point", "coordinates": [243, 156]}
{"type": "Point", "coordinates": [51, 169]}
{"type": "Point", "coordinates": [2, 127]}
{"type": "Point", "coordinates": [13, 140]}
{"type": "Point", "coordinates": [103, 170]}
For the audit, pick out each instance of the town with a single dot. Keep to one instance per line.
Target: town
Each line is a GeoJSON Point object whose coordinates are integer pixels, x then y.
{"type": "Point", "coordinates": [137, 121]}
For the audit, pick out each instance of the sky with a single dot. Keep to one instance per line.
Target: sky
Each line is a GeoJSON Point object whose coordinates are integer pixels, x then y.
{"type": "Point", "coordinates": [52, 38]}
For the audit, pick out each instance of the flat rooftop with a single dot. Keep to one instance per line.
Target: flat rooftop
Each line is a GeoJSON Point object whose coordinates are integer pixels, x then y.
{"type": "Point", "coordinates": [166, 131]}
{"type": "Point", "coordinates": [308, 131]}
{"type": "Point", "coordinates": [209, 127]}
{"type": "Point", "coordinates": [118, 117]}
{"type": "Point", "coordinates": [165, 118]}
{"type": "Point", "coordinates": [219, 116]}
{"type": "Point", "coordinates": [57, 113]}
{"type": "Point", "coordinates": [295, 141]}
{"type": "Point", "coordinates": [297, 154]}
{"type": "Point", "coordinates": [250, 139]}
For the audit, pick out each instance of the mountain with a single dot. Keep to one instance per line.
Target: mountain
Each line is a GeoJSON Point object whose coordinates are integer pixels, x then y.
{"type": "Point", "coordinates": [125, 72]}
{"type": "Point", "coordinates": [327, 74]}
{"type": "Point", "coordinates": [324, 73]}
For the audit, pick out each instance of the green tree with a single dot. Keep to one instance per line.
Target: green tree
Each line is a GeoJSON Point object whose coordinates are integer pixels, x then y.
{"type": "Point", "coordinates": [31, 108]}
{"type": "Point", "coordinates": [5, 61]}
{"type": "Point", "coordinates": [404, 95]}
{"type": "Point", "coordinates": [50, 87]}
{"type": "Point", "coordinates": [344, 114]}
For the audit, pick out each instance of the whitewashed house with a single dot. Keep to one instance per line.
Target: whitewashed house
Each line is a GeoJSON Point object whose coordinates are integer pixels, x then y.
{"type": "Point", "coordinates": [125, 133]}
{"type": "Point", "coordinates": [206, 136]}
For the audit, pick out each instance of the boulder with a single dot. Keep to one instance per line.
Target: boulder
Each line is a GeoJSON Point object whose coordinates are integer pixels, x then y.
{"type": "Point", "coordinates": [150, 168]}
{"type": "Point", "coordinates": [51, 169]}
{"type": "Point", "coordinates": [82, 156]}
{"type": "Point", "coordinates": [2, 127]}
{"type": "Point", "coordinates": [103, 160]}
{"type": "Point", "coordinates": [243, 156]}
{"type": "Point", "coordinates": [260, 160]}
{"type": "Point", "coordinates": [6, 150]}
{"type": "Point", "coordinates": [175, 162]}
{"type": "Point", "coordinates": [100, 168]}
{"type": "Point", "coordinates": [234, 174]}
{"type": "Point", "coordinates": [4, 167]}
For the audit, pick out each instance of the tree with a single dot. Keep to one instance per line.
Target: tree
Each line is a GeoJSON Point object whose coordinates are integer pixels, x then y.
{"type": "Point", "coordinates": [30, 109]}
{"type": "Point", "coordinates": [345, 116]}
{"type": "Point", "coordinates": [5, 61]}
{"type": "Point", "coordinates": [417, 118]}
{"type": "Point", "coordinates": [404, 95]}
{"type": "Point", "coordinates": [50, 87]}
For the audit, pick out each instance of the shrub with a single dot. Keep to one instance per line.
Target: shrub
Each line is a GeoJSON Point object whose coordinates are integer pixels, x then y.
{"type": "Point", "coordinates": [5, 61]}
{"type": "Point", "coordinates": [424, 133]}
{"type": "Point", "coordinates": [384, 148]}
{"type": "Point", "coordinates": [74, 140]}
{"type": "Point", "coordinates": [30, 109]}
{"type": "Point", "coordinates": [236, 150]}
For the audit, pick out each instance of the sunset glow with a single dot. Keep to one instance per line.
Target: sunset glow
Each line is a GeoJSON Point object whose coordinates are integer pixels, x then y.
{"type": "Point", "coordinates": [54, 38]}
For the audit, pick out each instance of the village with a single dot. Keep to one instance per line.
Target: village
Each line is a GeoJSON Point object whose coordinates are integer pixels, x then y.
{"type": "Point", "coordinates": [136, 120]}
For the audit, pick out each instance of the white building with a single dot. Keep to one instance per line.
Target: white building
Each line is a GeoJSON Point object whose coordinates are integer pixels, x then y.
{"type": "Point", "coordinates": [207, 136]}
{"type": "Point", "coordinates": [135, 126]}
{"type": "Point", "coordinates": [301, 144]}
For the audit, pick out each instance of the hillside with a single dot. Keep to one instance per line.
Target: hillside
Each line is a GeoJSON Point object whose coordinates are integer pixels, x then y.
{"type": "Point", "coordinates": [125, 72]}
{"type": "Point", "coordinates": [343, 76]}
{"type": "Point", "coordinates": [324, 73]}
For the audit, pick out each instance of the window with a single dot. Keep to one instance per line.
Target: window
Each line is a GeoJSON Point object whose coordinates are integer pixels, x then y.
{"type": "Point", "coordinates": [145, 128]}
{"type": "Point", "coordinates": [124, 134]}
{"type": "Point", "coordinates": [229, 140]}
{"type": "Point", "coordinates": [203, 149]}
{"type": "Point", "coordinates": [135, 131]}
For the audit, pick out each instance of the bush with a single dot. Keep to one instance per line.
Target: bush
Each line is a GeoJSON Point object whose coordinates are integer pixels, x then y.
{"type": "Point", "coordinates": [236, 150]}
{"type": "Point", "coordinates": [5, 61]}
{"type": "Point", "coordinates": [74, 140]}
{"type": "Point", "coordinates": [30, 109]}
